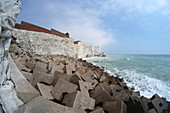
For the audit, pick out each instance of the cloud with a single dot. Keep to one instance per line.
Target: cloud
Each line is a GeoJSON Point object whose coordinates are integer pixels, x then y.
{"type": "Point", "coordinates": [83, 23]}
{"type": "Point", "coordinates": [146, 6]}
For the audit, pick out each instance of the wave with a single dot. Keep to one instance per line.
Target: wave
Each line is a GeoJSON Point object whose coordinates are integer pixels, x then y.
{"type": "Point", "coordinates": [141, 82]}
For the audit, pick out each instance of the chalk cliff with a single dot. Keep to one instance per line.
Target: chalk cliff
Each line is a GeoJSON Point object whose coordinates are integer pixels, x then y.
{"type": "Point", "coordinates": [43, 43]}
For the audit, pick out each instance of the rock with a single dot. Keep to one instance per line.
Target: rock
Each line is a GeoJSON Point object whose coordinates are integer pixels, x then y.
{"type": "Point", "coordinates": [58, 75]}
{"type": "Point", "coordinates": [25, 91]}
{"type": "Point", "coordinates": [43, 77]}
{"type": "Point", "coordinates": [79, 101]}
{"type": "Point", "coordinates": [41, 105]}
{"type": "Point", "coordinates": [159, 104]}
{"type": "Point", "coordinates": [115, 107]}
{"type": "Point", "coordinates": [28, 76]}
{"type": "Point", "coordinates": [63, 86]}
{"type": "Point", "coordinates": [15, 49]}
{"type": "Point", "coordinates": [84, 87]}
{"type": "Point", "coordinates": [100, 94]}
{"type": "Point", "coordinates": [98, 110]}
{"type": "Point", "coordinates": [45, 90]}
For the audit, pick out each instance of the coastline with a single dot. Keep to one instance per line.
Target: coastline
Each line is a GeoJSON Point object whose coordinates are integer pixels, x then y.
{"type": "Point", "coordinates": [131, 76]}
{"type": "Point", "coordinates": [75, 73]}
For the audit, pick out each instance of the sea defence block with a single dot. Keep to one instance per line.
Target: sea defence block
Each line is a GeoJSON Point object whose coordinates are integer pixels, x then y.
{"type": "Point", "coordinates": [98, 110]}
{"type": "Point", "coordinates": [100, 94]}
{"type": "Point", "coordinates": [28, 76]}
{"type": "Point", "coordinates": [41, 105]}
{"type": "Point", "coordinates": [115, 107]}
{"type": "Point", "coordinates": [25, 91]}
{"type": "Point", "coordinates": [43, 77]}
{"type": "Point", "coordinates": [84, 87]}
{"type": "Point", "coordinates": [58, 75]}
{"type": "Point", "coordinates": [63, 86]}
{"type": "Point", "coordinates": [45, 90]}
{"type": "Point", "coordinates": [79, 101]}
{"type": "Point", "coordinates": [88, 76]}
{"type": "Point", "coordinates": [159, 104]}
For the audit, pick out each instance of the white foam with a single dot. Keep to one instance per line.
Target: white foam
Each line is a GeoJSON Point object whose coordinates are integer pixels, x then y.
{"type": "Point", "coordinates": [146, 85]}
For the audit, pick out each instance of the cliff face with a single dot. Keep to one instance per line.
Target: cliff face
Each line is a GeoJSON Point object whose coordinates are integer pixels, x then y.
{"type": "Point", "coordinates": [43, 43]}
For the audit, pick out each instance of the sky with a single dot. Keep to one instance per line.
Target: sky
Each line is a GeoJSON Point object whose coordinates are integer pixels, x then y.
{"type": "Point", "coordinates": [117, 26]}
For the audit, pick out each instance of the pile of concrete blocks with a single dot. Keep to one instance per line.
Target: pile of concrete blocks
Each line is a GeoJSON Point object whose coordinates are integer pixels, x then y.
{"type": "Point", "coordinates": [76, 85]}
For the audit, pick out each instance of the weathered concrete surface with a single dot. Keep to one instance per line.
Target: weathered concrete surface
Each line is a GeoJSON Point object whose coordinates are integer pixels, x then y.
{"type": "Point", "coordinates": [41, 105]}
{"type": "Point", "coordinates": [79, 101]}
{"type": "Point", "coordinates": [43, 43]}
{"type": "Point", "coordinates": [101, 95]}
{"type": "Point", "coordinates": [98, 110]}
{"type": "Point", "coordinates": [25, 91]}
{"type": "Point", "coordinates": [63, 86]}
{"type": "Point", "coordinates": [115, 107]}
{"type": "Point", "coordinates": [45, 90]}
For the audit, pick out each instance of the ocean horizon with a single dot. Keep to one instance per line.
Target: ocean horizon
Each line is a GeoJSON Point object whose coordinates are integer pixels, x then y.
{"type": "Point", "coordinates": [147, 73]}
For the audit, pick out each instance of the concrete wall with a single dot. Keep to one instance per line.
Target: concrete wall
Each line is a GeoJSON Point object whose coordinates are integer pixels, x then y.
{"type": "Point", "coordinates": [43, 43]}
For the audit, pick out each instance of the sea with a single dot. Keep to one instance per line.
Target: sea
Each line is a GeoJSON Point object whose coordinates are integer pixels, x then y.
{"type": "Point", "coordinates": [149, 74]}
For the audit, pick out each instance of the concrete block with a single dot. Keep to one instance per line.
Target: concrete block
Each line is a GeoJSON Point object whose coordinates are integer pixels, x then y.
{"type": "Point", "coordinates": [98, 110]}
{"type": "Point", "coordinates": [115, 107]}
{"type": "Point", "coordinates": [63, 86]}
{"type": "Point", "coordinates": [75, 79]}
{"type": "Point", "coordinates": [88, 76]}
{"type": "Point", "coordinates": [30, 64]}
{"type": "Point", "coordinates": [152, 111]}
{"type": "Point", "coordinates": [84, 87]}
{"type": "Point", "coordinates": [41, 105]}
{"type": "Point", "coordinates": [70, 68]}
{"type": "Point", "coordinates": [121, 96]}
{"type": "Point", "coordinates": [100, 94]}
{"type": "Point", "coordinates": [57, 68]}
{"type": "Point", "coordinates": [79, 101]}
{"type": "Point", "coordinates": [22, 67]}
{"type": "Point", "coordinates": [38, 69]}
{"type": "Point", "coordinates": [28, 76]}
{"type": "Point", "coordinates": [80, 71]}
{"type": "Point", "coordinates": [25, 91]}
{"type": "Point", "coordinates": [159, 104]}
{"type": "Point", "coordinates": [43, 77]}
{"type": "Point", "coordinates": [51, 64]}
{"type": "Point", "coordinates": [41, 59]}
{"type": "Point", "coordinates": [45, 90]}
{"type": "Point", "coordinates": [58, 75]}
{"type": "Point", "coordinates": [42, 65]}
{"type": "Point", "coordinates": [144, 103]}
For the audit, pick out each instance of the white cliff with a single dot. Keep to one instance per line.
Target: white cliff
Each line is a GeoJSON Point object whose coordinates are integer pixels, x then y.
{"type": "Point", "coordinates": [43, 43]}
